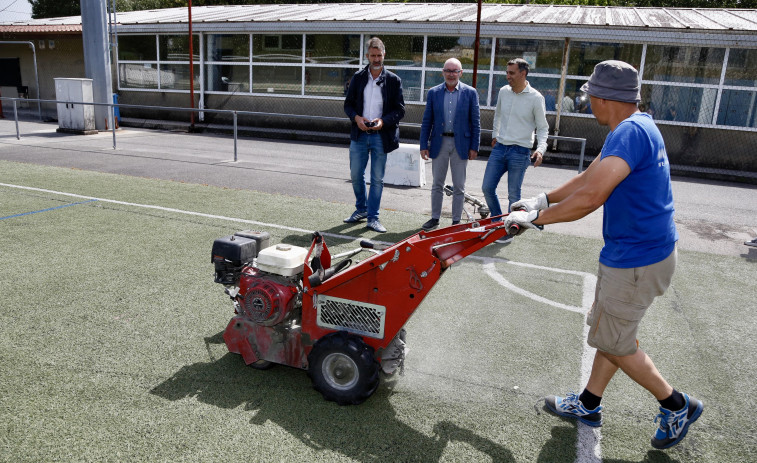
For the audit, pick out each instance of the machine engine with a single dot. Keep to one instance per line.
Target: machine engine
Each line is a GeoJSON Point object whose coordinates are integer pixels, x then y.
{"type": "Point", "coordinates": [265, 286]}
{"type": "Point", "coordinates": [267, 299]}
{"type": "Point", "coordinates": [264, 282]}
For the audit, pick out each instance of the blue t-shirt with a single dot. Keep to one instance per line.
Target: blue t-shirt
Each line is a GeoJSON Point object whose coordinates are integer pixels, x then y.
{"type": "Point", "coordinates": [638, 224]}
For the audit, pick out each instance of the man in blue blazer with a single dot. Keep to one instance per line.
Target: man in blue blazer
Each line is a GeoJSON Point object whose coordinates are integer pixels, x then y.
{"type": "Point", "coordinates": [452, 127]}
{"type": "Point", "coordinates": [375, 105]}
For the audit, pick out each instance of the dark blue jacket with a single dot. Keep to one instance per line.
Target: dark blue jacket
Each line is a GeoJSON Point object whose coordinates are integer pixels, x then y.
{"type": "Point", "coordinates": [394, 105]}
{"type": "Point", "coordinates": [467, 121]}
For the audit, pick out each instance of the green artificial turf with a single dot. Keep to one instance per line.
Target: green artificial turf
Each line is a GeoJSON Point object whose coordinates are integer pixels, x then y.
{"type": "Point", "coordinates": [111, 348]}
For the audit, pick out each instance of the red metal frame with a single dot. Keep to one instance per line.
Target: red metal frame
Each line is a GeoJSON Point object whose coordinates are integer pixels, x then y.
{"type": "Point", "coordinates": [399, 278]}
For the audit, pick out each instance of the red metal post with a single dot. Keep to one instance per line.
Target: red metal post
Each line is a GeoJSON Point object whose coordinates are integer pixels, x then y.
{"type": "Point", "coordinates": [191, 72]}
{"type": "Point", "coordinates": [476, 44]}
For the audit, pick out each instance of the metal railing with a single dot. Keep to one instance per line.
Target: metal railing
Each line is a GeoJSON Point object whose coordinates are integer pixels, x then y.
{"type": "Point", "coordinates": [234, 114]}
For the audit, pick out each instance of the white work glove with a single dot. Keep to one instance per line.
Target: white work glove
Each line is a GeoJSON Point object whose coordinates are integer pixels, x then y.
{"type": "Point", "coordinates": [537, 203]}
{"type": "Point", "coordinates": [523, 220]}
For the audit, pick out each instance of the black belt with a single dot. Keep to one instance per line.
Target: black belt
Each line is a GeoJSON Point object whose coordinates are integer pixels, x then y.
{"type": "Point", "coordinates": [448, 134]}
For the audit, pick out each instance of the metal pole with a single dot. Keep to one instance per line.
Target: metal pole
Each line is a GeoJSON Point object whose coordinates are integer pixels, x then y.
{"type": "Point", "coordinates": [191, 73]}
{"type": "Point", "coordinates": [235, 136]}
{"type": "Point", "coordinates": [476, 44]}
{"type": "Point", "coordinates": [113, 116]}
{"type": "Point", "coordinates": [15, 116]}
{"type": "Point", "coordinates": [581, 160]}
{"type": "Point", "coordinates": [36, 77]}
{"type": "Point", "coordinates": [561, 89]}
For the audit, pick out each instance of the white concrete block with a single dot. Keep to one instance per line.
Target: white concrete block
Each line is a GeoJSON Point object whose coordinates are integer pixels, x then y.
{"type": "Point", "coordinates": [404, 167]}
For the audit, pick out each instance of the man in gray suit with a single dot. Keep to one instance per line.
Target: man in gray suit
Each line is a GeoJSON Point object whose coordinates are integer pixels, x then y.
{"type": "Point", "coordinates": [452, 127]}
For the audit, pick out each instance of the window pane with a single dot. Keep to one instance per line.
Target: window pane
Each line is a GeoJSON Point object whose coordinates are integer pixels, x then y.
{"type": "Point", "coordinates": [543, 56]}
{"type": "Point", "coordinates": [742, 68]}
{"type": "Point", "coordinates": [738, 108]}
{"type": "Point", "coordinates": [584, 56]}
{"type": "Point", "coordinates": [440, 49]}
{"type": "Point", "coordinates": [176, 76]}
{"type": "Point", "coordinates": [482, 85]}
{"type": "Point", "coordinates": [228, 78]}
{"type": "Point", "coordinates": [137, 47]}
{"type": "Point", "coordinates": [277, 48]}
{"type": "Point", "coordinates": [681, 104]}
{"type": "Point", "coordinates": [701, 65]}
{"type": "Point", "coordinates": [545, 85]}
{"type": "Point", "coordinates": [342, 49]}
{"type": "Point", "coordinates": [403, 50]}
{"type": "Point", "coordinates": [548, 88]}
{"type": "Point", "coordinates": [228, 47]}
{"type": "Point", "coordinates": [138, 75]}
{"type": "Point", "coordinates": [277, 79]}
{"type": "Point", "coordinates": [581, 102]}
{"type": "Point", "coordinates": [176, 47]}
{"type": "Point", "coordinates": [484, 54]}
{"type": "Point", "coordinates": [411, 84]}
{"type": "Point", "coordinates": [327, 81]}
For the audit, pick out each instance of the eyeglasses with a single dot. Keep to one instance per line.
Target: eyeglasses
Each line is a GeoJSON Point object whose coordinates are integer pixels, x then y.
{"type": "Point", "coordinates": [452, 71]}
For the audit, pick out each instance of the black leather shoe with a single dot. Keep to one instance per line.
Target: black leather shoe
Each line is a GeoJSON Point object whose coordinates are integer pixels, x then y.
{"type": "Point", "coordinates": [430, 225]}
{"type": "Point", "coordinates": [455, 222]}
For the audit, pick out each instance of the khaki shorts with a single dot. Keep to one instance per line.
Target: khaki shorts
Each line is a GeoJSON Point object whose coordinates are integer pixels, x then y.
{"type": "Point", "coordinates": [621, 299]}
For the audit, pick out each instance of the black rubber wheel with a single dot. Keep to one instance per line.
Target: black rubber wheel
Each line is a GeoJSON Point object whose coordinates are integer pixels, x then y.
{"type": "Point", "coordinates": [343, 368]}
{"type": "Point", "coordinates": [262, 365]}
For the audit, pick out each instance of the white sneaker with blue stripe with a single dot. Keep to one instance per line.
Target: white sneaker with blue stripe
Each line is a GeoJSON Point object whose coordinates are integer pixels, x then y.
{"type": "Point", "coordinates": [571, 407]}
{"type": "Point", "coordinates": [675, 425]}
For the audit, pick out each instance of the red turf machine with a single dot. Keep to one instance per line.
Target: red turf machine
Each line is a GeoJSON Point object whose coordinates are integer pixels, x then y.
{"type": "Point", "coordinates": [341, 321]}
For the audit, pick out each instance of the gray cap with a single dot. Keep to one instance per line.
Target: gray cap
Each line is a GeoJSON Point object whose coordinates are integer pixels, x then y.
{"type": "Point", "coordinates": [614, 80]}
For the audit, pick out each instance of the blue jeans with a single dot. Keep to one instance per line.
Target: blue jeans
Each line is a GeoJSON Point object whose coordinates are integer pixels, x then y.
{"type": "Point", "coordinates": [512, 159]}
{"type": "Point", "coordinates": [367, 144]}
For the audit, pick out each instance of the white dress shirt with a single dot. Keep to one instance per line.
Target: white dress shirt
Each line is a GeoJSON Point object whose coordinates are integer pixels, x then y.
{"type": "Point", "coordinates": [373, 103]}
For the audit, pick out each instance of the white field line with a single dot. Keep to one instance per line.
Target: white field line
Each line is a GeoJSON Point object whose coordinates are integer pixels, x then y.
{"type": "Point", "coordinates": [588, 449]}
{"type": "Point", "coordinates": [588, 444]}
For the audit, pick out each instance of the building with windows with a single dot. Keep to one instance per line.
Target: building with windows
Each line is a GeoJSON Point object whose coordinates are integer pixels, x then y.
{"type": "Point", "coordinates": [698, 66]}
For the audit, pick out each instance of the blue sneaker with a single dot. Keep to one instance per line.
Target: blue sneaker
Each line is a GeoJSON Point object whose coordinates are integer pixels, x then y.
{"type": "Point", "coordinates": [571, 407]}
{"type": "Point", "coordinates": [356, 217]}
{"type": "Point", "coordinates": [674, 425]}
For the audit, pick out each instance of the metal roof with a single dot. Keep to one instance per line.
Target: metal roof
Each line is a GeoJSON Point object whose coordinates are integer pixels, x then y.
{"type": "Point", "coordinates": [661, 24]}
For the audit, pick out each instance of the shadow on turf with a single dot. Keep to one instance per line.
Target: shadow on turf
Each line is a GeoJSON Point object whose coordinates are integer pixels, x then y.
{"type": "Point", "coordinates": [371, 432]}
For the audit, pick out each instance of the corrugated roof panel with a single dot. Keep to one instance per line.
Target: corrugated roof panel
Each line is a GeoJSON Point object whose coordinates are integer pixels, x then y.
{"type": "Point", "coordinates": [746, 15]}
{"type": "Point", "coordinates": [730, 18]}
{"type": "Point", "coordinates": [625, 17]}
{"type": "Point", "coordinates": [694, 19]}
{"type": "Point", "coordinates": [658, 17]}
{"type": "Point", "coordinates": [447, 15]}
{"type": "Point", "coordinates": [454, 13]}
{"type": "Point", "coordinates": [529, 14]}
{"type": "Point", "coordinates": [26, 29]}
{"type": "Point", "coordinates": [546, 15]}
{"type": "Point", "coordinates": [505, 13]}
{"type": "Point", "coordinates": [589, 16]}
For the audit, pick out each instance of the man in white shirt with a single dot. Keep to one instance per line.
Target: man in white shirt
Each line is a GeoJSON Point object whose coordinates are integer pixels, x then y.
{"type": "Point", "coordinates": [520, 111]}
{"type": "Point", "coordinates": [375, 105]}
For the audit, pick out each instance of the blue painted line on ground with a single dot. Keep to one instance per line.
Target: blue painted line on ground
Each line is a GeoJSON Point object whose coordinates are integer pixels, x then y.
{"type": "Point", "coordinates": [46, 210]}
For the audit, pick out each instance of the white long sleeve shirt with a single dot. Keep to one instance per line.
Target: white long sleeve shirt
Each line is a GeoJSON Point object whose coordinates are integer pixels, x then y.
{"type": "Point", "coordinates": [518, 115]}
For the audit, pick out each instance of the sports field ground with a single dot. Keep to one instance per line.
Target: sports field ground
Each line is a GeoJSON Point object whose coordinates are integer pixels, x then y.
{"type": "Point", "coordinates": [111, 348]}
